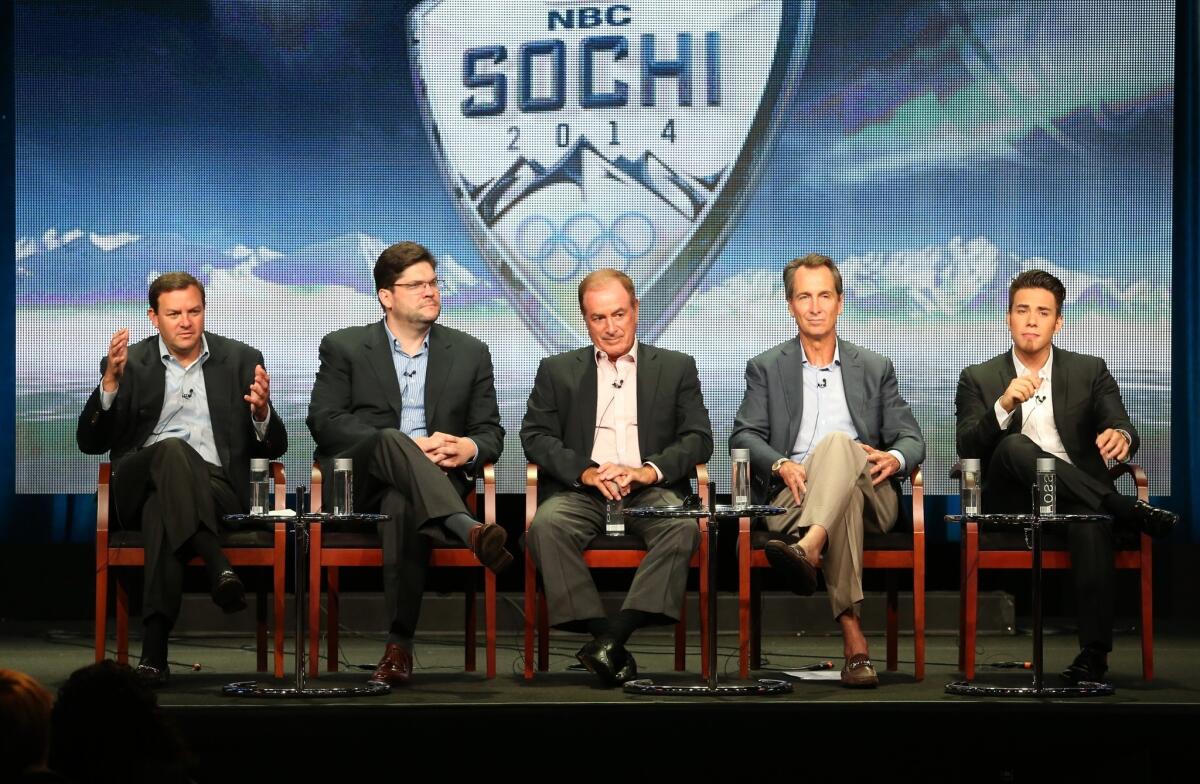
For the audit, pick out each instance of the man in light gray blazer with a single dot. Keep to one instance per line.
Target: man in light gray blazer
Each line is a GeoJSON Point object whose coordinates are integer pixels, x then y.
{"type": "Point", "coordinates": [829, 439]}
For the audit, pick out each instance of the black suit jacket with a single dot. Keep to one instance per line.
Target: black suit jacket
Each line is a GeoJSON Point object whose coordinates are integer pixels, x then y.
{"type": "Point", "coordinates": [1086, 401]}
{"type": "Point", "coordinates": [228, 374]}
{"type": "Point", "coordinates": [356, 393]}
{"type": "Point", "coordinates": [559, 428]}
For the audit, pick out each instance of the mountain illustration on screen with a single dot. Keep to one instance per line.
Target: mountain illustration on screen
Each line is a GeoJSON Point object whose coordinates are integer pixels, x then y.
{"type": "Point", "coordinates": [581, 165]}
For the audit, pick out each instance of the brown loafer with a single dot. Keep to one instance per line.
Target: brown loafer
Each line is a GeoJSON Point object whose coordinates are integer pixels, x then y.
{"type": "Point", "coordinates": [487, 542]}
{"type": "Point", "coordinates": [395, 668]}
{"type": "Point", "coordinates": [792, 561]}
{"type": "Point", "coordinates": [859, 673]}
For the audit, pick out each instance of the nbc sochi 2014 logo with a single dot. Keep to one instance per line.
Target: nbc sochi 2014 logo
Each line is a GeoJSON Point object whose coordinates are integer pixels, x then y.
{"type": "Point", "coordinates": [574, 136]}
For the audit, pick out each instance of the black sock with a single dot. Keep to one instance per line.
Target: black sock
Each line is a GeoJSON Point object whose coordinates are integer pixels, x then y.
{"type": "Point", "coordinates": [1119, 506]}
{"type": "Point", "coordinates": [154, 640]}
{"type": "Point", "coordinates": [209, 549]}
{"type": "Point", "coordinates": [597, 627]}
{"type": "Point", "coordinates": [626, 623]}
{"type": "Point", "coordinates": [460, 524]}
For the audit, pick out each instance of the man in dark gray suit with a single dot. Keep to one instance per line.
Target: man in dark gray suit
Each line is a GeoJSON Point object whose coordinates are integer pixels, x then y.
{"type": "Point", "coordinates": [829, 439]}
{"type": "Point", "coordinates": [616, 420]}
{"type": "Point", "coordinates": [1038, 400]}
{"type": "Point", "coordinates": [413, 403]}
{"type": "Point", "coordinates": [182, 413]}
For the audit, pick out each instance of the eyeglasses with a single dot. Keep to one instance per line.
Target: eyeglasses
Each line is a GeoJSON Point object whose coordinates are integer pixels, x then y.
{"type": "Point", "coordinates": [418, 286]}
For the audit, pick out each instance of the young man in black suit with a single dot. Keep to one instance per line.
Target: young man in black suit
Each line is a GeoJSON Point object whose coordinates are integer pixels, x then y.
{"type": "Point", "coordinates": [413, 404]}
{"type": "Point", "coordinates": [1038, 400]}
{"type": "Point", "coordinates": [182, 413]}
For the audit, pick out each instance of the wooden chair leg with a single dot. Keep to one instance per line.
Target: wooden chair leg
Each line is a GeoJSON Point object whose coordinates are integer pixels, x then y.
{"type": "Point", "coordinates": [755, 620]}
{"type": "Point", "coordinates": [278, 588]}
{"type": "Point", "coordinates": [314, 601]}
{"type": "Point", "coordinates": [260, 630]}
{"type": "Point", "coordinates": [681, 638]}
{"type": "Point", "coordinates": [530, 613]}
{"type": "Point", "coordinates": [1146, 574]}
{"type": "Point", "coordinates": [470, 621]}
{"type": "Point", "coordinates": [970, 600]}
{"type": "Point", "coordinates": [918, 592]}
{"type": "Point", "coordinates": [744, 603]}
{"type": "Point", "coordinates": [101, 604]}
{"type": "Point", "coordinates": [489, 619]}
{"type": "Point", "coordinates": [122, 623]}
{"type": "Point", "coordinates": [332, 618]}
{"type": "Point", "coordinates": [543, 619]}
{"type": "Point", "coordinates": [893, 621]}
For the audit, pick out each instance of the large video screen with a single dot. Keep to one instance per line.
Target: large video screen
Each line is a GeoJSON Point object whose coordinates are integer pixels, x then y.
{"type": "Point", "coordinates": [273, 149]}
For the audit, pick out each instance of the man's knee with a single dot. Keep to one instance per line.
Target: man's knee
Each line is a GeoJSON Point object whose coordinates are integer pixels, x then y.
{"type": "Point", "coordinates": [174, 451]}
{"type": "Point", "coordinates": [836, 440]}
{"type": "Point", "coordinates": [682, 536]}
{"type": "Point", "coordinates": [1016, 449]}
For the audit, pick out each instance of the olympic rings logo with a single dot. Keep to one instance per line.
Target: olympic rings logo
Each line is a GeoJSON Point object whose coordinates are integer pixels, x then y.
{"type": "Point", "coordinates": [583, 237]}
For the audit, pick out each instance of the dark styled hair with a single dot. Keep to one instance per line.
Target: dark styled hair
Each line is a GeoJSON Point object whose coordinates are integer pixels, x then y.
{"type": "Point", "coordinates": [1038, 279]}
{"type": "Point", "coordinates": [25, 708]}
{"type": "Point", "coordinates": [602, 276]}
{"type": "Point", "coordinates": [397, 258]}
{"type": "Point", "coordinates": [172, 281]}
{"type": "Point", "coordinates": [811, 261]}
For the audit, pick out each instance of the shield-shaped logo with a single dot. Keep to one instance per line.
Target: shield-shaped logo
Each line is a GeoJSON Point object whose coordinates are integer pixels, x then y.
{"type": "Point", "coordinates": [576, 135]}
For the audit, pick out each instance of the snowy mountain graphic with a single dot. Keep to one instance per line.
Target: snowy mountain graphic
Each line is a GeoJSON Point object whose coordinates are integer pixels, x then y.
{"type": "Point", "coordinates": [582, 164]}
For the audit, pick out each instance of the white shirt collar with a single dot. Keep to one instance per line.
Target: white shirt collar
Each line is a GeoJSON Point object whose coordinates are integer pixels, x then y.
{"type": "Point", "coordinates": [1045, 372]}
{"type": "Point", "coordinates": [167, 356]}
{"type": "Point", "coordinates": [837, 356]}
{"type": "Point", "coordinates": [600, 355]}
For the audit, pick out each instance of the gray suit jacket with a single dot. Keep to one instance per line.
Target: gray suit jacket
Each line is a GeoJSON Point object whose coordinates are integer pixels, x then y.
{"type": "Point", "coordinates": [559, 428]}
{"type": "Point", "coordinates": [1086, 401]}
{"type": "Point", "coordinates": [228, 374]}
{"type": "Point", "coordinates": [356, 394]}
{"type": "Point", "coordinates": [768, 421]}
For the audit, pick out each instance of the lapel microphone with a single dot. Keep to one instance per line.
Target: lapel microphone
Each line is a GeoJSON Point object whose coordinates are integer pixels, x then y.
{"type": "Point", "coordinates": [620, 382]}
{"type": "Point", "coordinates": [409, 373]}
{"type": "Point", "coordinates": [822, 383]}
{"type": "Point", "coordinates": [188, 395]}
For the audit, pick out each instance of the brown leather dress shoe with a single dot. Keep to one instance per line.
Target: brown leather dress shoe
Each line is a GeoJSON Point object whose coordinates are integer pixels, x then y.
{"type": "Point", "coordinates": [792, 561]}
{"type": "Point", "coordinates": [487, 542]}
{"type": "Point", "coordinates": [395, 668]}
{"type": "Point", "coordinates": [859, 673]}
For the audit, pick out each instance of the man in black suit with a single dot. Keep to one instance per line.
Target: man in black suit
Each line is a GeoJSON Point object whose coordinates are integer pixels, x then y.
{"type": "Point", "coordinates": [616, 420]}
{"type": "Point", "coordinates": [1038, 400]}
{"type": "Point", "coordinates": [182, 414]}
{"type": "Point", "coordinates": [413, 404]}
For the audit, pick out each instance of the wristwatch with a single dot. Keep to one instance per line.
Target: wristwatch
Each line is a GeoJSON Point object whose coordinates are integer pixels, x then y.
{"type": "Point", "coordinates": [779, 464]}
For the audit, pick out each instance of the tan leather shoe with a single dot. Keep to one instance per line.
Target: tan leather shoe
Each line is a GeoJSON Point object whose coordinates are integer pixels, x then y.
{"type": "Point", "coordinates": [859, 673]}
{"type": "Point", "coordinates": [395, 668]}
{"type": "Point", "coordinates": [793, 563]}
{"type": "Point", "coordinates": [487, 542]}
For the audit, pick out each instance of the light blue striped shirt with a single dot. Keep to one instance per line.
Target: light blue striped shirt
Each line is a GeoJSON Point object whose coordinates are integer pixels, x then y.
{"type": "Point", "coordinates": [410, 372]}
{"type": "Point", "coordinates": [185, 405]}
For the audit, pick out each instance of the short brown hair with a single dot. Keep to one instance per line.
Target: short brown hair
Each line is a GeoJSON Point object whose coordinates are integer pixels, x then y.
{"type": "Point", "coordinates": [172, 281]}
{"type": "Point", "coordinates": [1038, 279]}
{"type": "Point", "coordinates": [600, 277]}
{"type": "Point", "coordinates": [811, 261]}
{"type": "Point", "coordinates": [397, 258]}
{"type": "Point", "coordinates": [25, 707]}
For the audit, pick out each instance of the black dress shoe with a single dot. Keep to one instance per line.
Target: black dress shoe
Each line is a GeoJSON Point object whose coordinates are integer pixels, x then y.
{"type": "Point", "coordinates": [1154, 521]}
{"type": "Point", "coordinates": [628, 671]}
{"type": "Point", "coordinates": [1089, 666]}
{"type": "Point", "coordinates": [229, 593]}
{"type": "Point", "coordinates": [152, 675]}
{"type": "Point", "coordinates": [605, 659]}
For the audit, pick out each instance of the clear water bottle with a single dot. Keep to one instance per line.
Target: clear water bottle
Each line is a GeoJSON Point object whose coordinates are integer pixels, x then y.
{"type": "Point", "coordinates": [260, 486]}
{"type": "Point", "coordinates": [614, 517]}
{"type": "Point", "coordinates": [1047, 487]}
{"type": "Point", "coordinates": [343, 486]}
{"type": "Point", "coordinates": [739, 486]}
{"type": "Point", "coordinates": [970, 485]}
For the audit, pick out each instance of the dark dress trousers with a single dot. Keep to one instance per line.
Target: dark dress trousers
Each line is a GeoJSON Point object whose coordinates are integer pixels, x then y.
{"type": "Point", "coordinates": [355, 412]}
{"type": "Point", "coordinates": [167, 489]}
{"type": "Point", "coordinates": [558, 434]}
{"type": "Point", "coordinates": [1086, 401]}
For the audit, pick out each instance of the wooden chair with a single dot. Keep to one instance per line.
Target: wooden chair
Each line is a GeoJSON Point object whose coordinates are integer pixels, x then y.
{"type": "Point", "coordinates": [994, 548]}
{"type": "Point", "coordinates": [122, 548]}
{"type": "Point", "coordinates": [329, 551]}
{"type": "Point", "coordinates": [611, 552]}
{"type": "Point", "coordinates": [898, 550]}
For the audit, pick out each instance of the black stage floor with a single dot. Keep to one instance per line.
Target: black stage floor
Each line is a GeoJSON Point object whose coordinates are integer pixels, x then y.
{"type": "Point", "coordinates": [906, 730]}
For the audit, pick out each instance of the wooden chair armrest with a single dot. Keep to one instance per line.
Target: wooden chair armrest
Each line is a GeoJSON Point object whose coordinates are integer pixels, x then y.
{"type": "Point", "coordinates": [103, 481]}
{"type": "Point", "coordinates": [314, 494]}
{"type": "Point", "coordinates": [1140, 480]}
{"type": "Point", "coordinates": [702, 483]}
{"type": "Point", "coordinates": [489, 492]}
{"type": "Point", "coordinates": [917, 478]}
{"type": "Point", "coordinates": [531, 488]}
{"type": "Point", "coordinates": [280, 477]}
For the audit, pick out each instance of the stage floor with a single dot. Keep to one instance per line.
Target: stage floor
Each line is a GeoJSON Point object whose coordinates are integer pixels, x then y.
{"type": "Point", "coordinates": [1135, 732]}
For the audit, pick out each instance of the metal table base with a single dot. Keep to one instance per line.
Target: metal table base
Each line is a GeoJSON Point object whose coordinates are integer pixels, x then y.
{"type": "Point", "coordinates": [300, 568]}
{"type": "Point", "coordinates": [760, 688]}
{"type": "Point", "coordinates": [1038, 688]}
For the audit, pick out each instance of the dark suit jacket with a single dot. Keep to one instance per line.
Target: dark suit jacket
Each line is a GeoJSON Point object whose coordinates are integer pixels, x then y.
{"type": "Point", "coordinates": [1086, 401]}
{"type": "Point", "coordinates": [356, 393]}
{"type": "Point", "coordinates": [768, 421]}
{"type": "Point", "coordinates": [228, 374]}
{"type": "Point", "coordinates": [559, 428]}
